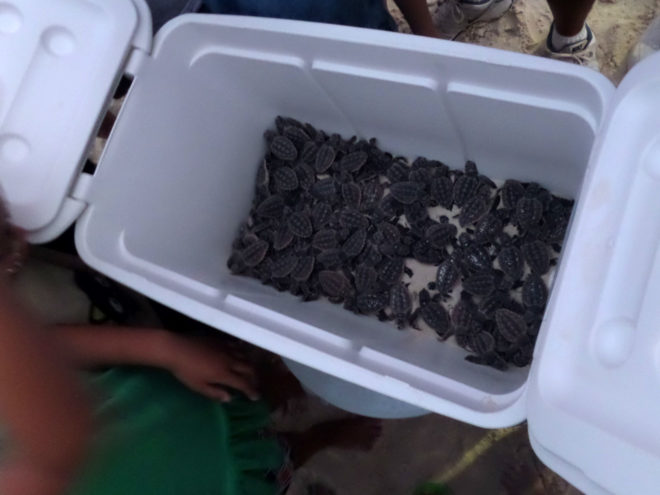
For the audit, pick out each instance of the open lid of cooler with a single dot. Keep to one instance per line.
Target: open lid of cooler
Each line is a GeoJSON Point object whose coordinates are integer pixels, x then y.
{"type": "Point", "coordinates": [59, 62]}
{"type": "Point", "coordinates": [592, 408]}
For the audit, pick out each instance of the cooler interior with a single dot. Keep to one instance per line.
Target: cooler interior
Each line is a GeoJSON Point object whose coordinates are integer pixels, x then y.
{"type": "Point", "coordinates": [177, 175]}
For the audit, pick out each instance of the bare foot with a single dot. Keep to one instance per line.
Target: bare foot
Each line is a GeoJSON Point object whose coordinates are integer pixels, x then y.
{"type": "Point", "coordinates": [355, 433]}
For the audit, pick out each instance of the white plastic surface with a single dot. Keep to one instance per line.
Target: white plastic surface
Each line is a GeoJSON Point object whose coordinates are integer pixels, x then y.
{"type": "Point", "coordinates": [178, 173]}
{"type": "Point", "coordinates": [60, 59]}
{"type": "Point", "coordinates": [593, 407]}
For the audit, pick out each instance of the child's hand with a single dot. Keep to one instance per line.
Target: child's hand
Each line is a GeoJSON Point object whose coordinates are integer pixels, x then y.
{"type": "Point", "coordinates": [205, 366]}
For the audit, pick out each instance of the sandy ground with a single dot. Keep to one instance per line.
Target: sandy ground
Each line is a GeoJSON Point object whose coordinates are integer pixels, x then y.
{"type": "Point", "coordinates": [617, 25]}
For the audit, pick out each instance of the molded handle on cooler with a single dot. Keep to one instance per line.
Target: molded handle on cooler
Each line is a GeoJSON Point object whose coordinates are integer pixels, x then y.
{"type": "Point", "coordinates": [633, 260]}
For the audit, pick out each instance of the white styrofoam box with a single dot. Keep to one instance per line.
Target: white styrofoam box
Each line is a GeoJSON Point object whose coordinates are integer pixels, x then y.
{"type": "Point", "coordinates": [59, 64]}
{"type": "Point", "coordinates": [592, 411]}
{"type": "Point", "coordinates": [177, 177]}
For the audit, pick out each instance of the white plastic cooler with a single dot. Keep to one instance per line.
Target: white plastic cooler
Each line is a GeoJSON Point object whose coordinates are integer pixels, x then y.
{"type": "Point", "coordinates": [176, 179]}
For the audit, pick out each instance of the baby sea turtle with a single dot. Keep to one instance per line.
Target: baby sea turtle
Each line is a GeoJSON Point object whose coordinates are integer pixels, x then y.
{"type": "Point", "coordinates": [511, 262]}
{"type": "Point", "coordinates": [321, 214]}
{"type": "Point", "coordinates": [325, 189]}
{"type": "Point", "coordinates": [465, 188]}
{"type": "Point", "coordinates": [406, 192]}
{"type": "Point", "coordinates": [442, 191]}
{"type": "Point", "coordinates": [285, 179]}
{"type": "Point", "coordinates": [447, 276]}
{"type": "Point", "coordinates": [391, 270]}
{"type": "Point", "coordinates": [400, 304]}
{"type": "Point", "coordinates": [330, 258]}
{"type": "Point", "coordinates": [325, 157]}
{"type": "Point", "coordinates": [365, 278]}
{"type": "Point", "coordinates": [441, 234]}
{"type": "Point", "coordinates": [372, 303]}
{"type": "Point", "coordinates": [398, 172]}
{"type": "Point", "coordinates": [476, 208]}
{"type": "Point", "coordinates": [283, 148]}
{"type": "Point", "coordinates": [300, 224]}
{"type": "Point", "coordinates": [511, 192]}
{"type": "Point", "coordinates": [355, 243]}
{"type": "Point", "coordinates": [353, 162]}
{"type": "Point", "coordinates": [284, 266]}
{"type": "Point", "coordinates": [528, 212]}
{"type": "Point", "coordinates": [535, 254]}
{"type": "Point", "coordinates": [334, 284]}
{"type": "Point", "coordinates": [325, 239]}
{"type": "Point", "coordinates": [351, 194]}
{"type": "Point", "coordinates": [303, 269]}
{"type": "Point", "coordinates": [271, 207]}
{"type": "Point", "coordinates": [488, 228]}
{"type": "Point", "coordinates": [534, 292]}
{"type": "Point", "coordinates": [480, 284]}
{"type": "Point", "coordinates": [254, 254]}
{"type": "Point", "coordinates": [510, 325]}
{"type": "Point", "coordinates": [436, 317]}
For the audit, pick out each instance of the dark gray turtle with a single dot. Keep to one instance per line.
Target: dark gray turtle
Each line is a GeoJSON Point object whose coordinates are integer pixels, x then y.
{"type": "Point", "coordinates": [255, 253]}
{"type": "Point", "coordinates": [482, 343]}
{"type": "Point", "coordinates": [353, 162]}
{"type": "Point", "coordinates": [370, 256]}
{"type": "Point", "coordinates": [475, 258]}
{"type": "Point", "coordinates": [321, 214]}
{"type": "Point", "coordinates": [285, 179]}
{"type": "Point", "coordinates": [488, 228]}
{"type": "Point", "coordinates": [283, 148]}
{"type": "Point", "coordinates": [351, 194]}
{"type": "Point", "coordinates": [325, 239]}
{"type": "Point", "coordinates": [511, 192]}
{"type": "Point", "coordinates": [325, 189]}
{"type": "Point", "coordinates": [474, 210]}
{"type": "Point", "coordinates": [372, 303]}
{"type": "Point", "coordinates": [398, 172]}
{"type": "Point", "coordinates": [442, 191]}
{"type": "Point", "coordinates": [283, 266]}
{"type": "Point", "coordinates": [303, 269]}
{"type": "Point", "coordinates": [325, 157]}
{"type": "Point", "coordinates": [271, 207]}
{"type": "Point", "coordinates": [463, 316]}
{"type": "Point", "coordinates": [535, 254]}
{"type": "Point", "coordinates": [297, 135]}
{"type": "Point", "coordinates": [390, 207]}
{"type": "Point", "coordinates": [308, 153]}
{"type": "Point", "coordinates": [306, 176]}
{"type": "Point", "coordinates": [534, 292]}
{"type": "Point", "coordinates": [416, 214]}
{"type": "Point", "coordinates": [529, 212]}
{"type": "Point", "coordinates": [440, 235]}
{"type": "Point", "coordinates": [480, 284]}
{"type": "Point", "coordinates": [334, 284]}
{"type": "Point", "coordinates": [447, 276]}
{"type": "Point", "coordinates": [372, 193]}
{"type": "Point", "coordinates": [436, 317]}
{"type": "Point", "coordinates": [406, 192]}
{"type": "Point", "coordinates": [300, 224]}
{"type": "Point", "coordinates": [510, 325]}
{"type": "Point", "coordinates": [365, 278]}
{"type": "Point", "coordinates": [389, 232]}
{"type": "Point", "coordinates": [511, 262]}
{"type": "Point", "coordinates": [352, 219]}
{"type": "Point", "coordinates": [282, 238]}
{"type": "Point", "coordinates": [330, 258]}
{"type": "Point", "coordinates": [355, 243]}
{"type": "Point", "coordinates": [400, 304]}
{"type": "Point", "coordinates": [391, 270]}
{"type": "Point", "coordinates": [464, 189]}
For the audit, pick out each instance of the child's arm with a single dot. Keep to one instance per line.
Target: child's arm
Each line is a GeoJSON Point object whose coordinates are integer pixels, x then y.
{"type": "Point", "coordinates": [41, 407]}
{"type": "Point", "coordinates": [418, 16]}
{"type": "Point", "coordinates": [202, 364]}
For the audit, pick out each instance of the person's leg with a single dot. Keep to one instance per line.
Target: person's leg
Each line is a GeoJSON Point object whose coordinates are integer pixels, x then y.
{"type": "Point", "coordinates": [570, 15]}
{"type": "Point", "coordinates": [570, 39]}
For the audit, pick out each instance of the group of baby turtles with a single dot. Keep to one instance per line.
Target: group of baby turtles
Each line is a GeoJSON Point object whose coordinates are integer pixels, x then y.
{"type": "Point", "coordinates": [339, 218]}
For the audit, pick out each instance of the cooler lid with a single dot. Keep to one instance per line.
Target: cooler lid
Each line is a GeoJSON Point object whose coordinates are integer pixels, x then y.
{"type": "Point", "coordinates": [60, 61]}
{"type": "Point", "coordinates": [593, 408]}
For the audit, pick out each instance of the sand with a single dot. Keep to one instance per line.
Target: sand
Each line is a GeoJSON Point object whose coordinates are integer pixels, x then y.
{"type": "Point", "coordinates": [617, 25]}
